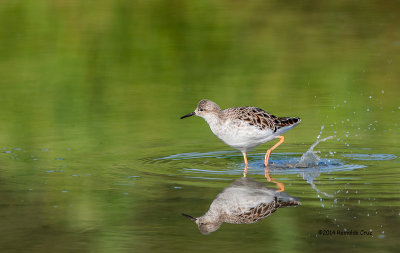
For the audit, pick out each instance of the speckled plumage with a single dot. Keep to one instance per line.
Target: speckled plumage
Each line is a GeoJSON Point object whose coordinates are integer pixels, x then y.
{"type": "Point", "coordinates": [259, 118]}
{"type": "Point", "coordinates": [244, 201]}
{"type": "Point", "coordinates": [243, 128]}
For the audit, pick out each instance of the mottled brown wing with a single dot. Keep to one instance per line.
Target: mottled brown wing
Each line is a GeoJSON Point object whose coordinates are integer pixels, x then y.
{"type": "Point", "coordinates": [257, 213]}
{"type": "Point", "coordinates": [254, 116]}
{"type": "Point", "coordinates": [265, 209]}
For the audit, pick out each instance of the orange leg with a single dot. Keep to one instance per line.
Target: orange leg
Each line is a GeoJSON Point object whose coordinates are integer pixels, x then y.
{"type": "Point", "coordinates": [246, 164]}
{"type": "Point", "coordinates": [281, 186]}
{"type": "Point", "coordinates": [282, 139]}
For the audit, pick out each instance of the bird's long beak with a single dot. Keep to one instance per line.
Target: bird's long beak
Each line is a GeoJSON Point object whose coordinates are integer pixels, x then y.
{"type": "Point", "coordinates": [188, 115]}
{"type": "Point", "coordinates": [189, 217]}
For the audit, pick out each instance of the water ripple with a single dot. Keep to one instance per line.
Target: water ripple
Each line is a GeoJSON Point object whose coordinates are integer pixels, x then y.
{"type": "Point", "coordinates": [280, 164]}
{"type": "Point", "coordinates": [370, 157]}
{"type": "Point", "coordinates": [194, 155]}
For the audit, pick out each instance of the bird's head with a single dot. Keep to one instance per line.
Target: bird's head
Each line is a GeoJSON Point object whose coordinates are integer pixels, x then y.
{"type": "Point", "coordinates": [205, 226]}
{"type": "Point", "coordinates": [204, 109]}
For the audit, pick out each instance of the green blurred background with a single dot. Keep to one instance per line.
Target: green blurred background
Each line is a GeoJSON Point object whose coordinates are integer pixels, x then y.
{"type": "Point", "coordinates": [91, 93]}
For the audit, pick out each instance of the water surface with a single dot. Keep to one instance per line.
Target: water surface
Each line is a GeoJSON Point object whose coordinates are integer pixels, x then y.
{"type": "Point", "coordinates": [94, 157]}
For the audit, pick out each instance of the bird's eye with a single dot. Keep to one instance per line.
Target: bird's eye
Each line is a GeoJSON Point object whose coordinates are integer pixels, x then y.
{"type": "Point", "coordinates": [201, 110]}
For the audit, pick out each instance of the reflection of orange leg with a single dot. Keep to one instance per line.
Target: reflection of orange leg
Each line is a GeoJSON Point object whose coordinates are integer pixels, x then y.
{"type": "Point", "coordinates": [246, 164]}
{"type": "Point", "coordinates": [273, 147]}
{"type": "Point", "coordinates": [281, 186]}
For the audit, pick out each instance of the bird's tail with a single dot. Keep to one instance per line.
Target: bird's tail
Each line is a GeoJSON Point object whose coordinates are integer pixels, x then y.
{"type": "Point", "coordinates": [287, 121]}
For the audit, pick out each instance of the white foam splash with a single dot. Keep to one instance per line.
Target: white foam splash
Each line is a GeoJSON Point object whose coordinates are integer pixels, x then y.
{"type": "Point", "coordinates": [310, 158]}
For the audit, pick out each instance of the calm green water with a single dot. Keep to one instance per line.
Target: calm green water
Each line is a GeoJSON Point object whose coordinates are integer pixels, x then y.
{"type": "Point", "coordinates": [94, 157]}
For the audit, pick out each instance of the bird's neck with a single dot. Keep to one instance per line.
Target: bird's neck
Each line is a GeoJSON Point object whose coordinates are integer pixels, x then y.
{"type": "Point", "coordinates": [211, 216]}
{"type": "Point", "coordinates": [214, 119]}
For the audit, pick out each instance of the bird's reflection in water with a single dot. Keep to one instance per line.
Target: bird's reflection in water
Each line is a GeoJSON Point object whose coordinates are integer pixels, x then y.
{"type": "Point", "coordinates": [244, 201]}
{"type": "Point", "coordinates": [281, 186]}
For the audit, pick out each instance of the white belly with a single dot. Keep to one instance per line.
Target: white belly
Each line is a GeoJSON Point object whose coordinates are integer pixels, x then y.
{"type": "Point", "coordinates": [242, 137]}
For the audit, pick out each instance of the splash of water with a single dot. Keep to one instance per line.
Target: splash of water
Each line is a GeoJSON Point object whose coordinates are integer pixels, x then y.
{"type": "Point", "coordinates": [310, 158]}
